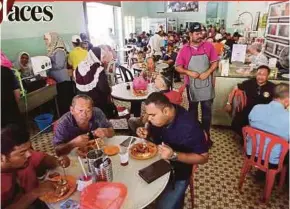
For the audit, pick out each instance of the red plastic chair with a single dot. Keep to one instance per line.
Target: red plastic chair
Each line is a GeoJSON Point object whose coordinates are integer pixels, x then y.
{"type": "Point", "coordinates": [194, 170]}
{"type": "Point", "coordinates": [258, 162]}
{"type": "Point", "coordinates": [240, 100]}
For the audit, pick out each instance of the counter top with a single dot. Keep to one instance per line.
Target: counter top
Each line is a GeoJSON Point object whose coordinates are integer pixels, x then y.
{"type": "Point", "coordinates": [243, 71]}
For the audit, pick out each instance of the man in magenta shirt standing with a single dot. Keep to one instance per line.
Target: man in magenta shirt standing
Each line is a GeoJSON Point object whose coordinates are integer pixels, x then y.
{"type": "Point", "coordinates": [197, 60]}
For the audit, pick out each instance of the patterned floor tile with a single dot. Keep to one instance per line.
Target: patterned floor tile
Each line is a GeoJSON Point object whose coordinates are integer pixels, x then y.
{"type": "Point", "coordinates": [215, 182]}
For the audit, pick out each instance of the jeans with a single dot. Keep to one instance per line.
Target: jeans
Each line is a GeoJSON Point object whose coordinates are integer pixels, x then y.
{"type": "Point", "coordinates": [173, 198]}
{"type": "Point", "coordinates": [206, 111]}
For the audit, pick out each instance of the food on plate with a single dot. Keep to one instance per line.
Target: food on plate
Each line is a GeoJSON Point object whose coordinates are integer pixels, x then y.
{"type": "Point", "coordinates": [139, 93]}
{"type": "Point", "coordinates": [61, 189]}
{"type": "Point", "coordinates": [111, 150]}
{"type": "Point", "coordinates": [91, 145]}
{"type": "Point", "coordinates": [64, 187]}
{"type": "Point", "coordinates": [143, 150]}
{"type": "Point", "coordinates": [53, 175]}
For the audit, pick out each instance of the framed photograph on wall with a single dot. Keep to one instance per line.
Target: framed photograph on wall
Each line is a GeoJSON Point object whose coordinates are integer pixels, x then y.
{"type": "Point", "coordinates": [256, 22]}
{"type": "Point", "coordinates": [269, 47]}
{"type": "Point", "coordinates": [283, 31]}
{"type": "Point", "coordinates": [272, 29]}
{"type": "Point", "coordinates": [182, 6]}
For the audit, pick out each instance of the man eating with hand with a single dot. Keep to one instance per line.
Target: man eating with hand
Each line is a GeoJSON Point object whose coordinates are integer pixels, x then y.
{"type": "Point", "coordinates": [75, 127]}
{"type": "Point", "coordinates": [181, 140]}
{"type": "Point", "coordinates": [20, 168]}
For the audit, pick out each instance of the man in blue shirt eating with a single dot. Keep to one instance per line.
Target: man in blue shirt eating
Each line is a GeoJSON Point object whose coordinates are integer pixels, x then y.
{"type": "Point", "coordinates": [181, 140]}
{"type": "Point", "coordinates": [272, 118]}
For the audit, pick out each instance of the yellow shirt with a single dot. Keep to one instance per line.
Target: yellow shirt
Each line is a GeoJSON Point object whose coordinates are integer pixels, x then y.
{"type": "Point", "coordinates": [77, 55]}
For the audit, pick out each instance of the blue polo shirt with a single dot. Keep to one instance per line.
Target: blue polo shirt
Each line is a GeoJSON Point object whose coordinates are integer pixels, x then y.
{"type": "Point", "coordinates": [272, 118]}
{"type": "Point", "coordinates": [185, 135]}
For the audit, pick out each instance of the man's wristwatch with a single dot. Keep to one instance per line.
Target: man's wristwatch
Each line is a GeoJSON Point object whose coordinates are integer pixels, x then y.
{"type": "Point", "coordinates": [174, 156]}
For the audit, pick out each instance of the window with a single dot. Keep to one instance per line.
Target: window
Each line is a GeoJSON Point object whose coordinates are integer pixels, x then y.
{"type": "Point", "coordinates": [129, 25]}
{"type": "Point", "coordinates": [145, 24]}
{"type": "Point", "coordinates": [99, 29]}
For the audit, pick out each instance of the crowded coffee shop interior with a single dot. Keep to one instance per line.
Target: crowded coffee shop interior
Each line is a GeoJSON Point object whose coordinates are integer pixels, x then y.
{"type": "Point", "coordinates": [96, 105]}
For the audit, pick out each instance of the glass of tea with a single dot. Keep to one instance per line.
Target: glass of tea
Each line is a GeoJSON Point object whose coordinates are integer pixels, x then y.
{"type": "Point", "coordinates": [124, 155]}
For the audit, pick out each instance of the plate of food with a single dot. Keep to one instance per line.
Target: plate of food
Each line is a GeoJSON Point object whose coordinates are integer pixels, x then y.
{"type": "Point", "coordinates": [64, 187]}
{"type": "Point", "coordinates": [139, 93]}
{"type": "Point", "coordinates": [143, 150]}
{"type": "Point", "coordinates": [111, 150]}
{"type": "Point", "coordinates": [83, 151]}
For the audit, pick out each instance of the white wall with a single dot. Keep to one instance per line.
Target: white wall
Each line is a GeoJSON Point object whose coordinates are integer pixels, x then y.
{"type": "Point", "coordinates": [137, 9]}
{"type": "Point", "coordinates": [236, 8]}
{"type": "Point", "coordinates": [68, 20]}
{"type": "Point", "coordinates": [68, 17]}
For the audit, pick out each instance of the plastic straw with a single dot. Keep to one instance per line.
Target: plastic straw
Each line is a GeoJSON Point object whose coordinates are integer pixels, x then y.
{"type": "Point", "coordinates": [130, 143]}
{"type": "Point", "coordinates": [97, 144]}
{"type": "Point", "coordinates": [82, 166]}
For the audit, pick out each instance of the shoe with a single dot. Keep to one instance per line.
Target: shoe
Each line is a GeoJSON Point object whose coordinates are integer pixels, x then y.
{"type": "Point", "coordinates": [209, 143]}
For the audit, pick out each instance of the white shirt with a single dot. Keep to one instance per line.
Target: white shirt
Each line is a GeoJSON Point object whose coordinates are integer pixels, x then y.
{"type": "Point", "coordinates": [259, 59]}
{"type": "Point", "coordinates": [155, 43]}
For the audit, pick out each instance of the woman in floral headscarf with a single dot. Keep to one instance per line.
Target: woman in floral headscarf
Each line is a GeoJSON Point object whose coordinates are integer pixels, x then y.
{"type": "Point", "coordinates": [91, 79]}
{"type": "Point", "coordinates": [56, 50]}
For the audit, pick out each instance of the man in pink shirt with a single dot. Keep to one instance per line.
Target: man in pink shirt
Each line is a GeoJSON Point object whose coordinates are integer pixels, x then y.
{"type": "Point", "coordinates": [20, 167]}
{"type": "Point", "coordinates": [197, 60]}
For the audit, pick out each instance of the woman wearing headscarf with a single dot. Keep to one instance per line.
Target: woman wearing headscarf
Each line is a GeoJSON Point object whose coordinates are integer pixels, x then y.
{"type": "Point", "coordinates": [91, 79]}
{"type": "Point", "coordinates": [23, 64]}
{"type": "Point", "coordinates": [57, 52]}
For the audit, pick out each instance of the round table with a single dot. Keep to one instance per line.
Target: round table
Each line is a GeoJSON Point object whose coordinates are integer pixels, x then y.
{"type": "Point", "coordinates": [140, 194]}
{"type": "Point", "coordinates": [120, 92]}
{"type": "Point", "coordinates": [161, 66]}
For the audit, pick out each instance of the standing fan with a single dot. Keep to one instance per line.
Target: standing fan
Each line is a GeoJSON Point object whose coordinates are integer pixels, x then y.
{"type": "Point", "coordinates": [284, 58]}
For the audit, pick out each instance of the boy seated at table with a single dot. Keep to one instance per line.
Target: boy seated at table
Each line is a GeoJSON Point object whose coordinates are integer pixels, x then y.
{"type": "Point", "coordinates": [73, 127]}
{"type": "Point", "coordinates": [20, 167]}
{"type": "Point", "coordinates": [162, 84]}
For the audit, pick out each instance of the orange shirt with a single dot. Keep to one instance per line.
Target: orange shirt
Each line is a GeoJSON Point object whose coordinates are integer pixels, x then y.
{"type": "Point", "coordinates": [219, 47]}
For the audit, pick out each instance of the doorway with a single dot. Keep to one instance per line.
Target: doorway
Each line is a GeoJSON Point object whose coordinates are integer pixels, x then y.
{"type": "Point", "coordinates": [103, 23]}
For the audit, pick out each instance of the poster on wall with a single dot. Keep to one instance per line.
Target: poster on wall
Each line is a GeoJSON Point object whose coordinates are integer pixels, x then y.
{"type": "Point", "coordinates": [182, 6]}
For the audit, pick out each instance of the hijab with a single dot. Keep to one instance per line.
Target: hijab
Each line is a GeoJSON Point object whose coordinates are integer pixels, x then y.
{"type": "Point", "coordinates": [88, 71]}
{"type": "Point", "coordinates": [25, 70]}
{"type": "Point", "coordinates": [5, 61]}
{"type": "Point", "coordinates": [55, 42]}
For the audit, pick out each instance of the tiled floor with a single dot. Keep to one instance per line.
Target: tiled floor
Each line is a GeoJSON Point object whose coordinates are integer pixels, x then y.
{"type": "Point", "coordinates": [216, 182]}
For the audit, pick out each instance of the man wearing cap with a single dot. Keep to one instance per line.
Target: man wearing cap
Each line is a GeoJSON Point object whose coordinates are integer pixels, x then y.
{"type": "Point", "coordinates": [197, 60]}
{"type": "Point", "coordinates": [78, 54]}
